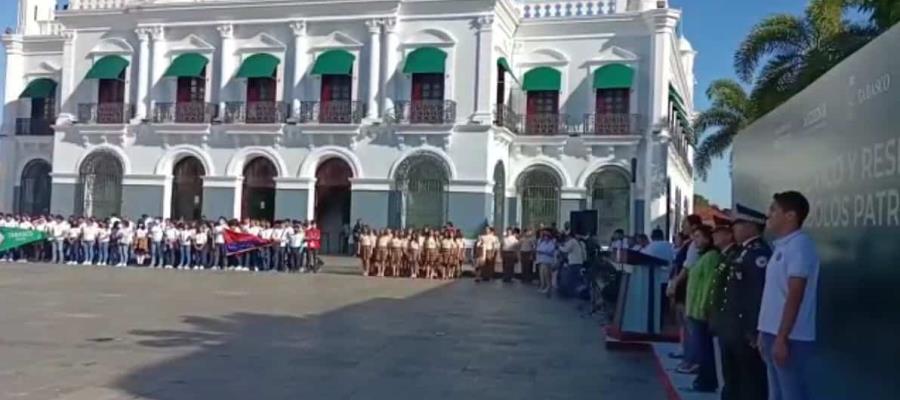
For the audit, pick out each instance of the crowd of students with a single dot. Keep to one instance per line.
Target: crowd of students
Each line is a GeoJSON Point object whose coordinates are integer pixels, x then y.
{"type": "Point", "coordinates": [166, 243]}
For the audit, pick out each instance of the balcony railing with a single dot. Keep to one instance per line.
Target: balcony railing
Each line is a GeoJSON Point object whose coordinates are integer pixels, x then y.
{"type": "Point", "coordinates": [96, 4]}
{"type": "Point", "coordinates": [567, 9]}
{"type": "Point", "coordinates": [550, 125]}
{"type": "Point", "coordinates": [105, 113]}
{"type": "Point", "coordinates": [331, 112]}
{"type": "Point", "coordinates": [34, 127]}
{"type": "Point", "coordinates": [184, 113]}
{"type": "Point", "coordinates": [505, 116]}
{"type": "Point", "coordinates": [436, 112]}
{"type": "Point", "coordinates": [256, 112]}
{"type": "Point", "coordinates": [611, 124]}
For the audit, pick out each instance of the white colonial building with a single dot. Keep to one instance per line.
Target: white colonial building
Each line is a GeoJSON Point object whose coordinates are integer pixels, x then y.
{"type": "Point", "coordinates": [396, 112]}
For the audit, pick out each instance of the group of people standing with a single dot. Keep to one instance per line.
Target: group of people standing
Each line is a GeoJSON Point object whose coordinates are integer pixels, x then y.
{"type": "Point", "coordinates": [415, 253]}
{"type": "Point", "coordinates": [164, 243]}
{"type": "Point", "coordinates": [760, 302]}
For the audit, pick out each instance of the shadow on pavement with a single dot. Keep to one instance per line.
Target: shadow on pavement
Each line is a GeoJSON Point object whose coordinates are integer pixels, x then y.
{"type": "Point", "coordinates": [458, 341]}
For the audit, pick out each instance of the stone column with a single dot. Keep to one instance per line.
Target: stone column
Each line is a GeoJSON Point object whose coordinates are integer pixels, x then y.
{"type": "Point", "coordinates": [392, 57]}
{"type": "Point", "coordinates": [158, 65]}
{"type": "Point", "coordinates": [301, 62]}
{"type": "Point", "coordinates": [226, 63]}
{"type": "Point", "coordinates": [374, 68]}
{"type": "Point", "coordinates": [143, 84]}
{"type": "Point", "coordinates": [15, 81]}
{"type": "Point", "coordinates": [67, 82]}
{"type": "Point", "coordinates": [485, 71]}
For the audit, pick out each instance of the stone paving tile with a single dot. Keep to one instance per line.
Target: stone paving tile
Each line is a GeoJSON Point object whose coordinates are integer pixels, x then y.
{"type": "Point", "coordinates": [109, 334]}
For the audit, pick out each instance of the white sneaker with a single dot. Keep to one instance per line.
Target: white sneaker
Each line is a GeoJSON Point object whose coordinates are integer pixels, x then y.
{"type": "Point", "coordinates": [168, 267]}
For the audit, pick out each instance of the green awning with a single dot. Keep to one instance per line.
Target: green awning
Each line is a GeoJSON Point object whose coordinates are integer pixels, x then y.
{"type": "Point", "coordinates": [425, 60]}
{"type": "Point", "coordinates": [109, 67]}
{"type": "Point", "coordinates": [542, 78]}
{"type": "Point", "coordinates": [259, 66]}
{"type": "Point", "coordinates": [190, 65]}
{"type": "Point", "coordinates": [39, 89]}
{"type": "Point", "coordinates": [504, 64]}
{"type": "Point", "coordinates": [673, 94]}
{"type": "Point", "coordinates": [334, 62]}
{"type": "Point", "coordinates": [613, 76]}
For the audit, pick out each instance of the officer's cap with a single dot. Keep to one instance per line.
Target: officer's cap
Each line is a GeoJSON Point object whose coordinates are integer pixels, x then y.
{"type": "Point", "coordinates": [722, 224]}
{"type": "Point", "coordinates": [742, 213]}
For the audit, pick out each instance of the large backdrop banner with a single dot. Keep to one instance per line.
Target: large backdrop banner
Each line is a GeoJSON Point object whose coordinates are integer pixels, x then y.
{"type": "Point", "coordinates": [11, 238]}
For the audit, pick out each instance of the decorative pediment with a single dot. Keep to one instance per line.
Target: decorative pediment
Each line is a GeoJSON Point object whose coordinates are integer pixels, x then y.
{"type": "Point", "coordinates": [548, 57]}
{"type": "Point", "coordinates": [191, 43]}
{"type": "Point", "coordinates": [112, 46]}
{"type": "Point", "coordinates": [338, 40]}
{"type": "Point", "coordinates": [430, 37]}
{"type": "Point", "coordinates": [614, 54]}
{"type": "Point", "coordinates": [46, 68]}
{"type": "Point", "coordinates": [262, 42]}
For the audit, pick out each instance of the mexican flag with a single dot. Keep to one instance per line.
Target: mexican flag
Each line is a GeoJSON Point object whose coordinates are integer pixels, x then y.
{"type": "Point", "coordinates": [10, 238]}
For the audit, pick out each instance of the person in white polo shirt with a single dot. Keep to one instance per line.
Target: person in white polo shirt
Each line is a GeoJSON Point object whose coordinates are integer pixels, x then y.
{"type": "Point", "coordinates": [787, 318]}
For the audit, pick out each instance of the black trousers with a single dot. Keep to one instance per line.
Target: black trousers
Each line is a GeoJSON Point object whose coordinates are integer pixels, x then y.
{"type": "Point", "coordinates": [527, 266]}
{"type": "Point", "coordinates": [744, 372]}
{"type": "Point", "coordinates": [509, 265]}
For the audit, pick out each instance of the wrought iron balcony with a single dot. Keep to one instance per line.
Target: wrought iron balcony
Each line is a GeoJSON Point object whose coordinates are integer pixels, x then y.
{"type": "Point", "coordinates": [184, 113]}
{"type": "Point", "coordinates": [504, 116]}
{"type": "Point", "coordinates": [105, 113]}
{"type": "Point", "coordinates": [435, 112]}
{"type": "Point", "coordinates": [34, 127]}
{"type": "Point", "coordinates": [256, 112]}
{"type": "Point", "coordinates": [550, 125]}
{"type": "Point", "coordinates": [611, 124]}
{"type": "Point", "coordinates": [331, 112]}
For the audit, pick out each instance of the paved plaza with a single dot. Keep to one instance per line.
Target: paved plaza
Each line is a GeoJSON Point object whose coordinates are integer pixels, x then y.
{"type": "Point", "coordinates": [90, 333]}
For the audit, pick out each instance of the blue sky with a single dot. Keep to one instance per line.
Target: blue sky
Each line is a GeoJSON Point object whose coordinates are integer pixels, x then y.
{"type": "Point", "coordinates": [714, 27]}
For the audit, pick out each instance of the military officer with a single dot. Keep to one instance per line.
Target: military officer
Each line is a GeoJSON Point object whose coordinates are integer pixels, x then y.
{"type": "Point", "coordinates": [738, 309]}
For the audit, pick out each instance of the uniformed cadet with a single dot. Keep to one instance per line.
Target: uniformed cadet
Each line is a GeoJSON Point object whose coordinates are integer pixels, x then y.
{"type": "Point", "coordinates": [738, 308]}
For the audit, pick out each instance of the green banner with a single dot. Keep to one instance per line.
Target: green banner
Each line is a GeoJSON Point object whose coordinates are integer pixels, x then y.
{"type": "Point", "coordinates": [10, 238]}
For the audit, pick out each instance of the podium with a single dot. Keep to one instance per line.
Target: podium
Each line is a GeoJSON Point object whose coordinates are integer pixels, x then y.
{"type": "Point", "coordinates": [638, 315]}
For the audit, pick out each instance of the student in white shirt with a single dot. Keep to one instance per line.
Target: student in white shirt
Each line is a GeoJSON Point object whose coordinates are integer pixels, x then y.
{"type": "Point", "coordinates": [201, 247]}
{"type": "Point", "coordinates": [172, 234]}
{"type": "Point", "coordinates": [58, 233]}
{"type": "Point", "coordinates": [73, 242]}
{"type": "Point", "coordinates": [103, 236]}
{"type": "Point", "coordinates": [278, 247]}
{"type": "Point", "coordinates": [21, 253]}
{"type": "Point", "coordinates": [219, 258]}
{"type": "Point", "coordinates": [296, 237]}
{"type": "Point", "coordinates": [125, 237]}
{"type": "Point", "coordinates": [89, 232]}
{"type": "Point", "coordinates": [157, 246]}
{"type": "Point", "coordinates": [185, 239]}
{"type": "Point", "coordinates": [266, 256]}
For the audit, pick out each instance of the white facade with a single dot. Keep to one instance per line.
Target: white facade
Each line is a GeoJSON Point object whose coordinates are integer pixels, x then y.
{"type": "Point", "coordinates": [575, 38]}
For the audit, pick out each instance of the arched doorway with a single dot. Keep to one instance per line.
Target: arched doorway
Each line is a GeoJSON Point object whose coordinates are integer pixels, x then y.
{"type": "Point", "coordinates": [540, 193]}
{"type": "Point", "coordinates": [499, 197]}
{"type": "Point", "coordinates": [421, 184]}
{"type": "Point", "coordinates": [333, 204]}
{"type": "Point", "coordinates": [611, 197]}
{"type": "Point", "coordinates": [35, 187]}
{"type": "Point", "coordinates": [187, 189]}
{"type": "Point", "coordinates": [259, 189]}
{"type": "Point", "coordinates": [99, 191]}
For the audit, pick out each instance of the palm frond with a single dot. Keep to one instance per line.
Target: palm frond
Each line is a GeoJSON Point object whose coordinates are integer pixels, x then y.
{"type": "Point", "coordinates": [826, 18]}
{"type": "Point", "coordinates": [716, 117]}
{"type": "Point", "coordinates": [713, 146]}
{"type": "Point", "coordinates": [726, 93]}
{"type": "Point", "coordinates": [776, 34]}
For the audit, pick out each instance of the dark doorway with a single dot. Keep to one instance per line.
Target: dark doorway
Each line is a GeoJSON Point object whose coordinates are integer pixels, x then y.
{"type": "Point", "coordinates": [187, 189]}
{"type": "Point", "coordinates": [427, 98]}
{"type": "Point", "coordinates": [333, 204]}
{"type": "Point", "coordinates": [261, 104]}
{"type": "Point", "coordinates": [258, 200]}
{"type": "Point", "coordinates": [543, 113]}
{"type": "Point", "coordinates": [111, 100]}
{"type": "Point", "coordinates": [190, 106]}
{"type": "Point", "coordinates": [337, 92]}
{"type": "Point", "coordinates": [34, 189]}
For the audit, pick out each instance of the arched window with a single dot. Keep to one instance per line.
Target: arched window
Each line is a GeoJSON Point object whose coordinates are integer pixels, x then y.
{"type": "Point", "coordinates": [421, 183]}
{"type": "Point", "coordinates": [540, 192]}
{"type": "Point", "coordinates": [499, 197]}
{"type": "Point", "coordinates": [99, 186]}
{"type": "Point", "coordinates": [611, 197]}
{"type": "Point", "coordinates": [259, 189]}
{"type": "Point", "coordinates": [34, 189]}
{"type": "Point", "coordinates": [187, 189]}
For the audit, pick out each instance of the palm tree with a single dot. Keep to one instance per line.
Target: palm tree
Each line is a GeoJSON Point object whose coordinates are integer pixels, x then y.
{"type": "Point", "coordinates": [785, 53]}
{"type": "Point", "coordinates": [730, 112]}
{"type": "Point", "coordinates": [882, 13]}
